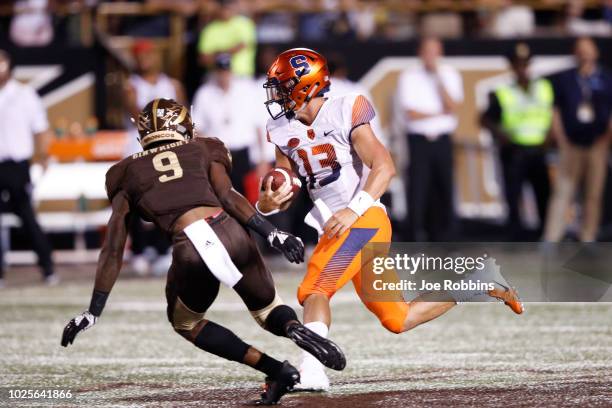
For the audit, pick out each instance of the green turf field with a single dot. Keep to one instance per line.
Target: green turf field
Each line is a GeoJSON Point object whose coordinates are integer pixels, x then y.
{"type": "Point", "coordinates": [476, 355]}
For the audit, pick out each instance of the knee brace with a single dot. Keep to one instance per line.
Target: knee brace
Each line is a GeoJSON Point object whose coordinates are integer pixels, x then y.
{"type": "Point", "coordinates": [183, 318]}
{"type": "Point", "coordinates": [261, 315]}
{"type": "Point", "coordinates": [278, 318]}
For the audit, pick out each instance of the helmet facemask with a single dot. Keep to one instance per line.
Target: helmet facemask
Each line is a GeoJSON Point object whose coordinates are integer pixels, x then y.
{"type": "Point", "coordinates": [278, 93]}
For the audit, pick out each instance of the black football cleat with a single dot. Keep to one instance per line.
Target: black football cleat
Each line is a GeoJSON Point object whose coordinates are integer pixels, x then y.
{"type": "Point", "coordinates": [278, 386]}
{"type": "Point", "coordinates": [324, 350]}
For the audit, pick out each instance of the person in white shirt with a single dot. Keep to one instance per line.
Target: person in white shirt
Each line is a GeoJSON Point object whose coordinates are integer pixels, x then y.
{"type": "Point", "coordinates": [428, 97]}
{"type": "Point", "coordinates": [223, 108]}
{"type": "Point", "coordinates": [23, 131]}
{"type": "Point", "coordinates": [148, 82]}
{"type": "Point", "coordinates": [512, 20]}
{"type": "Point", "coordinates": [31, 25]}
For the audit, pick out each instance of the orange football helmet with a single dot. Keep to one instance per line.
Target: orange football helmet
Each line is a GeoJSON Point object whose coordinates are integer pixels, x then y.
{"type": "Point", "coordinates": [294, 78]}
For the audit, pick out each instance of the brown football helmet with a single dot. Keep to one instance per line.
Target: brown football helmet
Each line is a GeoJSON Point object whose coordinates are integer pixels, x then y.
{"type": "Point", "coordinates": [164, 120]}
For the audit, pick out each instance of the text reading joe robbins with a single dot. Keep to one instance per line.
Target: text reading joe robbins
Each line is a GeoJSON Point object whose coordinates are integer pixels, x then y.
{"type": "Point", "coordinates": [413, 264]}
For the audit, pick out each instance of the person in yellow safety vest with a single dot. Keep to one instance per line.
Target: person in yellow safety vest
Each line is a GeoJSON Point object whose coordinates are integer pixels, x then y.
{"type": "Point", "coordinates": [519, 117]}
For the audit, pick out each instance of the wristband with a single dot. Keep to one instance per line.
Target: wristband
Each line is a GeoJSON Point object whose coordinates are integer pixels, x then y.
{"type": "Point", "coordinates": [260, 225]}
{"type": "Point", "coordinates": [98, 301]}
{"type": "Point", "coordinates": [361, 202]}
{"type": "Point", "coordinates": [265, 214]}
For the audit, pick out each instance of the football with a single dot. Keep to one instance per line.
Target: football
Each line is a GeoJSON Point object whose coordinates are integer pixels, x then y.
{"type": "Point", "coordinates": [279, 176]}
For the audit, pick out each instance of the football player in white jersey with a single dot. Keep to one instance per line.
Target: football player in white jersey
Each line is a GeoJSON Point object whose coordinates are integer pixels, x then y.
{"type": "Point", "coordinates": [330, 143]}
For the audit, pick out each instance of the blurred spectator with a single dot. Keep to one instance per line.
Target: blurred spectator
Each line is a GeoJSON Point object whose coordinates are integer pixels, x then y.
{"type": "Point", "coordinates": [428, 97]}
{"type": "Point", "coordinates": [340, 20]}
{"type": "Point", "coordinates": [519, 116]}
{"type": "Point", "coordinates": [157, 24]}
{"type": "Point", "coordinates": [276, 27]}
{"type": "Point", "coordinates": [576, 24]}
{"type": "Point", "coordinates": [266, 56]}
{"type": "Point", "coordinates": [398, 26]}
{"type": "Point", "coordinates": [583, 107]}
{"type": "Point", "coordinates": [24, 131]}
{"type": "Point", "coordinates": [145, 84]}
{"type": "Point", "coordinates": [607, 11]}
{"type": "Point", "coordinates": [31, 25]}
{"type": "Point", "coordinates": [229, 33]}
{"type": "Point", "coordinates": [226, 107]}
{"type": "Point", "coordinates": [317, 26]}
{"type": "Point", "coordinates": [362, 17]}
{"type": "Point", "coordinates": [512, 20]}
{"type": "Point", "coordinates": [442, 24]}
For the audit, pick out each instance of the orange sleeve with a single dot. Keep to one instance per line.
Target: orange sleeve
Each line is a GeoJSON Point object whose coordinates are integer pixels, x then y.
{"type": "Point", "coordinates": [363, 112]}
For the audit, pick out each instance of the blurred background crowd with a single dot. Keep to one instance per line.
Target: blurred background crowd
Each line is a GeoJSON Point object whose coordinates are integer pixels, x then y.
{"type": "Point", "coordinates": [497, 112]}
{"type": "Point", "coordinates": [36, 22]}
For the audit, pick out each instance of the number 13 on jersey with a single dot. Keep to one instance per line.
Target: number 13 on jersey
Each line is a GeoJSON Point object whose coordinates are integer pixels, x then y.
{"type": "Point", "coordinates": [328, 160]}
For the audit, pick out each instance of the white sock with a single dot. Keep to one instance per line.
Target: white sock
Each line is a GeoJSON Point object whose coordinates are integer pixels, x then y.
{"type": "Point", "coordinates": [318, 327]}
{"type": "Point", "coordinates": [308, 360]}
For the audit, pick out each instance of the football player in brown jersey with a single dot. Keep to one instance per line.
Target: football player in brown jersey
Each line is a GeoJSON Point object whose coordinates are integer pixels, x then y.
{"type": "Point", "coordinates": [181, 183]}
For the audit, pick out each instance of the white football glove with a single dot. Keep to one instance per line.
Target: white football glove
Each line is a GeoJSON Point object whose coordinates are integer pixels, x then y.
{"type": "Point", "coordinates": [290, 245]}
{"type": "Point", "coordinates": [80, 323]}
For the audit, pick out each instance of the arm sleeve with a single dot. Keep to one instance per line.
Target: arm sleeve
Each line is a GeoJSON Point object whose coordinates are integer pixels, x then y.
{"type": "Point", "coordinates": [37, 114]}
{"type": "Point", "coordinates": [362, 112]}
{"type": "Point", "coordinates": [493, 111]}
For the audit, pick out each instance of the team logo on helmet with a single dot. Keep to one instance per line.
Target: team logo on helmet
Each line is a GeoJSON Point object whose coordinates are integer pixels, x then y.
{"type": "Point", "coordinates": [170, 116]}
{"type": "Point", "coordinates": [300, 65]}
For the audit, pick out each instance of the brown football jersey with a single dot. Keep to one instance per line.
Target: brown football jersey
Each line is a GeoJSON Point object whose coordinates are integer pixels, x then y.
{"type": "Point", "coordinates": [164, 182]}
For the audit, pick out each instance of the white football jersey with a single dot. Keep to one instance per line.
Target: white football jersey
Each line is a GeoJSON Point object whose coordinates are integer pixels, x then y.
{"type": "Point", "coordinates": [323, 151]}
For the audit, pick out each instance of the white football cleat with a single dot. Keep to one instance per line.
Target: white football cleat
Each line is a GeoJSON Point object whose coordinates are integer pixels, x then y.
{"type": "Point", "coordinates": [312, 379]}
